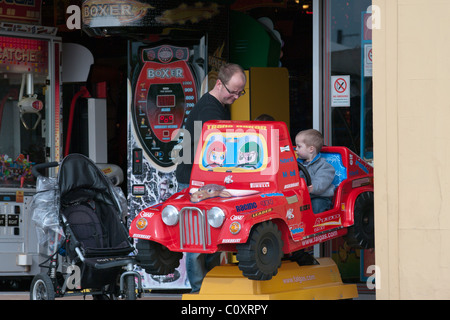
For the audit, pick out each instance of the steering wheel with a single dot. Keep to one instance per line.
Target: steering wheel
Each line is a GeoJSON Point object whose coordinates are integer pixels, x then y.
{"type": "Point", "coordinates": [305, 172]}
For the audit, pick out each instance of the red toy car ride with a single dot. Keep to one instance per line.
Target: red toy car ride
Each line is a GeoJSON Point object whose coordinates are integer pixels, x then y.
{"type": "Point", "coordinates": [246, 196]}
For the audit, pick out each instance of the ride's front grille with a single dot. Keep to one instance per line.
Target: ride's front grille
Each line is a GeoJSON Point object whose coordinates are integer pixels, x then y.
{"type": "Point", "coordinates": [194, 229]}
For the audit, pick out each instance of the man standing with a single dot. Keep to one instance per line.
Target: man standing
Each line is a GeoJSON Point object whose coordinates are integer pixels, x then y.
{"type": "Point", "coordinates": [213, 105]}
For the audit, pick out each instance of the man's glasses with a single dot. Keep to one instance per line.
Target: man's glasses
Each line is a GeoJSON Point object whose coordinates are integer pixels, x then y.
{"type": "Point", "coordinates": [236, 93]}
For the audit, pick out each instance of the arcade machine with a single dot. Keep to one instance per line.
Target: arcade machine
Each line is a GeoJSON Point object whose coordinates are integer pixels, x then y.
{"type": "Point", "coordinates": [30, 132]}
{"type": "Point", "coordinates": [165, 85]}
{"type": "Point", "coordinates": [256, 46]}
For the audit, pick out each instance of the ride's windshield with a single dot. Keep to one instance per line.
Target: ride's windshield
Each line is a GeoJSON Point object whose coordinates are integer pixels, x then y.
{"type": "Point", "coordinates": [234, 152]}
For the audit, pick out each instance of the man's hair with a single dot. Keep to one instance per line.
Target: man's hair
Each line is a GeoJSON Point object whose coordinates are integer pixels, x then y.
{"type": "Point", "coordinates": [312, 137]}
{"type": "Point", "coordinates": [227, 71]}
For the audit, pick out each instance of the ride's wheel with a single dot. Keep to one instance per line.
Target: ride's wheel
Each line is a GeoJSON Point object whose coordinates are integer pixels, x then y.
{"type": "Point", "coordinates": [361, 235]}
{"type": "Point", "coordinates": [157, 259]}
{"type": "Point", "coordinates": [260, 257]}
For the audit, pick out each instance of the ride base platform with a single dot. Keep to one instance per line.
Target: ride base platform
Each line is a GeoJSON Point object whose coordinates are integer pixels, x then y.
{"type": "Point", "coordinates": [292, 282]}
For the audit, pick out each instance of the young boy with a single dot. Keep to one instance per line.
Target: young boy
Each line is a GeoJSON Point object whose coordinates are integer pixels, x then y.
{"type": "Point", "coordinates": [308, 144]}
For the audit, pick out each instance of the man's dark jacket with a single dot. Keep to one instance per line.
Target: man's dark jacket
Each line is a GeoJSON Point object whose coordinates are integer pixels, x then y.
{"type": "Point", "coordinates": [207, 108]}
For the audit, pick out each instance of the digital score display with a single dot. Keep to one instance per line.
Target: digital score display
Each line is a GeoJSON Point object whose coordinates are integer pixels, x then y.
{"type": "Point", "coordinates": [165, 101]}
{"type": "Point", "coordinates": [165, 119]}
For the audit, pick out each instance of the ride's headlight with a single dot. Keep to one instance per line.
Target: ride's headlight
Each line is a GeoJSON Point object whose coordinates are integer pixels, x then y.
{"type": "Point", "coordinates": [235, 227]}
{"type": "Point", "coordinates": [216, 217]}
{"type": "Point", "coordinates": [170, 215]}
{"type": "Point", "coordinates": [141, 223]}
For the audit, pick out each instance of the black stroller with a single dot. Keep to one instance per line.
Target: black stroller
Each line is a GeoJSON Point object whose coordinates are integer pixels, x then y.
{"type": "Point", "coordinates": [90, 250]}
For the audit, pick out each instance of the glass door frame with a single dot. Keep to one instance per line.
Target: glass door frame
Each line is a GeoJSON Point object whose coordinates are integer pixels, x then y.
{"type": "Point", "coordinates": [321, 43]}
{"type": "Point", "coordinates": [321, 79]}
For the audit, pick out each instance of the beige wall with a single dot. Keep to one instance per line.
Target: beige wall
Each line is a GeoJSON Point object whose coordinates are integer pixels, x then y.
{"type": "Point", "coordinates": [412, 148]}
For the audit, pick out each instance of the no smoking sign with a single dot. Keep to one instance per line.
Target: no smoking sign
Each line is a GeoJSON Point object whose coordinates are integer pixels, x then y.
{"type": "Point", "coordinates": [368, 60]}
{"type": "Point", "coordinates": [340, 85]}
{"type": "Point", "coordinates": [340, 91]}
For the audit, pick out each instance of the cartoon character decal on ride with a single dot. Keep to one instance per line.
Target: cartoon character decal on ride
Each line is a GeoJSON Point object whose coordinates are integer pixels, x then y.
{"type": "Point", "coordinates": [234, 152]}
{"type": "Point", "coordinates": [249, 155]}
{"type": "Point", "coordinates": [216, 154]}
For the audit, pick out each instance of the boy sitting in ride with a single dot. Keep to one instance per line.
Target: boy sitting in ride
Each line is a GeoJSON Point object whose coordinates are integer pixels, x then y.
{"type": "Point", "coordinates": [308, 144]}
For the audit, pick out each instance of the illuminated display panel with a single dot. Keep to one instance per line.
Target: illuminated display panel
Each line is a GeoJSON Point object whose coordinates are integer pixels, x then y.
{"type": "Point", "coordinates": [165, 119]}
{"type": "Point", "coordinates": [165, 101]}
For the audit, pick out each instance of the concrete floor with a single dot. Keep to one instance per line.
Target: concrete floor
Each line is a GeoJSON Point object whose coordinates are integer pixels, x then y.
{"type": "Point", "coordinates": [364, 294]}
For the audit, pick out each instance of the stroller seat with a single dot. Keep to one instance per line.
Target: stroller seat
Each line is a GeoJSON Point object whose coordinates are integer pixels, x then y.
{"type": "Point", "coordinates": [91, 235]}
{"type": "Point", "coordinates": [85, 225]}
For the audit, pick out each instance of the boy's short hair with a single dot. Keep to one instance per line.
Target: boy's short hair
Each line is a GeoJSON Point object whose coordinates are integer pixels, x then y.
{"type": "Point", "coordinates": [312, 137]}
{"type": "Point", "coordinates": [264, 117]}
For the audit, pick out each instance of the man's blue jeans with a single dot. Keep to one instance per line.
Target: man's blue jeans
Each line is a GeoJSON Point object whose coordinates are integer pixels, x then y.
{"type": "Point", "coordinates": [198, 264]}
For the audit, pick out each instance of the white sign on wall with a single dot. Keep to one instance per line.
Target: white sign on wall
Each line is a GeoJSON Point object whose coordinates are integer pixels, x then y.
{"type": "Point", "coordinates": [368, 60]}
{"type": "Point", "coordinates": [340, 91]}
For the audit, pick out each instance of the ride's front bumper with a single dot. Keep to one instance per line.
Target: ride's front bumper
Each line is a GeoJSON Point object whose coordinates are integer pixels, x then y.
{"type": "Point", "coordinates": [191, 233]}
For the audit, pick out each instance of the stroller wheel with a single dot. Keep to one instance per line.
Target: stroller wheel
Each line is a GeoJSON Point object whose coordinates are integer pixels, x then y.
{"type": "Point", "coordinates": [42, 288]}
{"type": "Point", "coordinates": [130, 288]}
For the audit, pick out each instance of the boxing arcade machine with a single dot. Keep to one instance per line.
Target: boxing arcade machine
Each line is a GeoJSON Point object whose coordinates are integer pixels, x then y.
{"type": "Point", "coordinates": [165, 85]}
{"type": "Point", "coordinates": [30, 132]}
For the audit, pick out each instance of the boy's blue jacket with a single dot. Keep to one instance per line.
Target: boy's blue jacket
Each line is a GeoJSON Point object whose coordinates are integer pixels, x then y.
{"type": "Point", "coordinates": [322, 175]}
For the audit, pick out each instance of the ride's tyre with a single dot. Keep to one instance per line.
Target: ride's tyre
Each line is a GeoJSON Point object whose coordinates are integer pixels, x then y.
{"type": "Point", "coordinates": [362, 234]}
{"type": "Point", "coordinates": [260, 257]}
{"type": "Point", "coordinates": [156, 259]}
{"type": "Point", "coordinates": [42, 288]}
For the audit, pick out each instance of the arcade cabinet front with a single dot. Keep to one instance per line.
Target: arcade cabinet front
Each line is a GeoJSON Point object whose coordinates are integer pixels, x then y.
{"type": "Point", "coordinates": [165, 85]}
{"type": "Point", "coordinates": [30, 131]}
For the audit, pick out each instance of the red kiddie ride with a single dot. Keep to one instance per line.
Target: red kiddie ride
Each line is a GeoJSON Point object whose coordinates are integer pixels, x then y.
{"type": "Point", "coordinates": [246, 196]}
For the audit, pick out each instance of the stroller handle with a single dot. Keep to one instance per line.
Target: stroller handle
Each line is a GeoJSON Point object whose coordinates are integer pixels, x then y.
{"type": "Point", "coordinates": [35, 169]}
